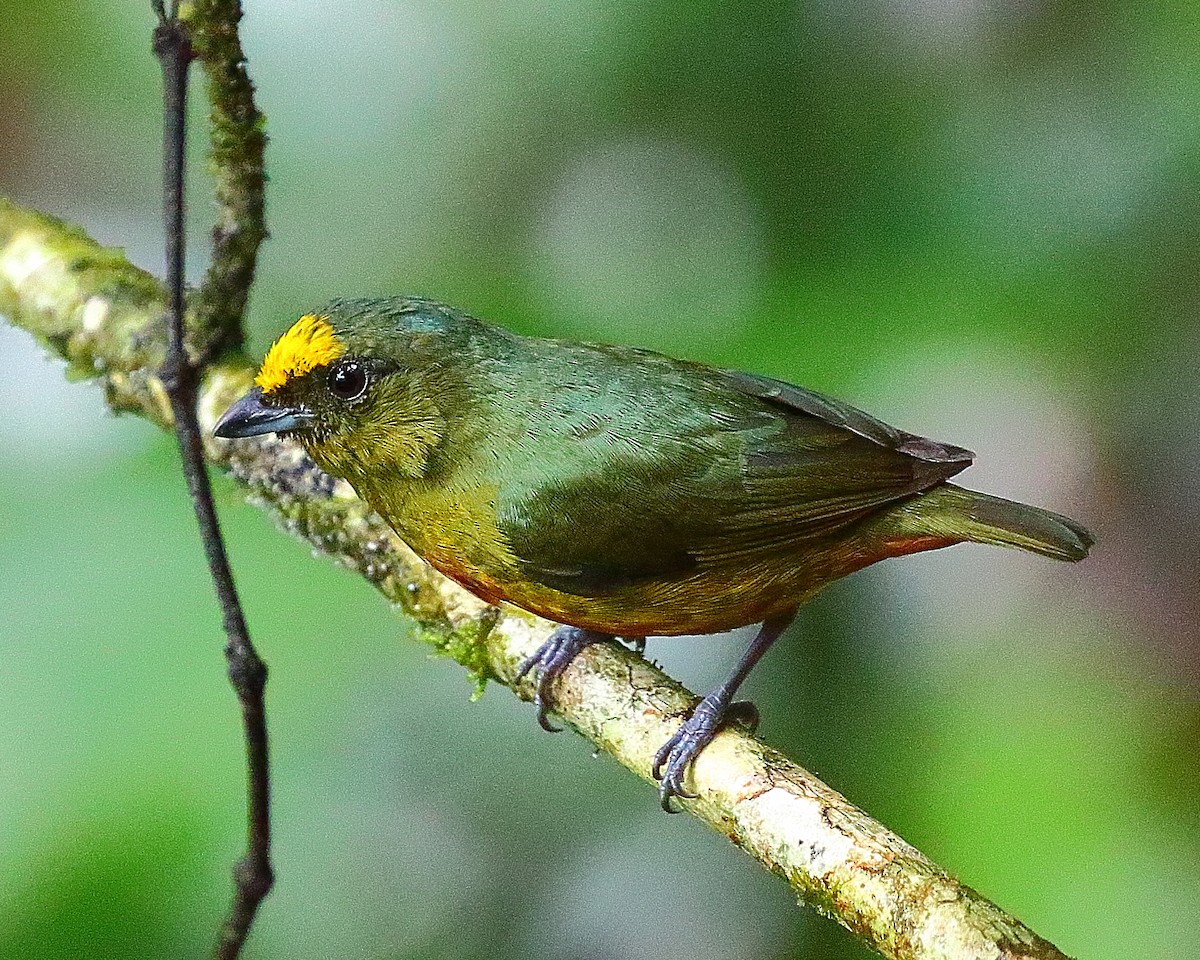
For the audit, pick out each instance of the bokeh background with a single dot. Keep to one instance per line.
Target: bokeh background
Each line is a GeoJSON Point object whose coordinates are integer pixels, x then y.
{"type": "Point", "coordinates": [978, 220]}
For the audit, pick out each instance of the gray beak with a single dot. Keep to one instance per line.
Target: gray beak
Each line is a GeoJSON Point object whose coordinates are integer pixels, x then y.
{"type": "Point", "coordinates": [250, 417]}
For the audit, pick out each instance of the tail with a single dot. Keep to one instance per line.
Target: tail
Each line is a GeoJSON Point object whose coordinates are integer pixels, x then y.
{"type": "Point", "coordinates": [953, 514]}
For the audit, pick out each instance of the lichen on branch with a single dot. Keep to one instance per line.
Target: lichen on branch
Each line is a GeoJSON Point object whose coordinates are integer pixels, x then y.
{"type": "Point", "coordinates": [88, 304]}
{"type": "Point", "coordinates": [238, 139]}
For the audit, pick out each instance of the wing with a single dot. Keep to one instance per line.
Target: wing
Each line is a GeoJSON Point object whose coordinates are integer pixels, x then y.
{"type": "Point", "coordinates": [838, 414]}
{"type": "Point", "coordinates": [825, 467]}
{"type": "Point", "coordinates": [737, 466]}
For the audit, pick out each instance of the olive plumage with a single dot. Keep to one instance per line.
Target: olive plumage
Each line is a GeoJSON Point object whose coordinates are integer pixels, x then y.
{"type": "Point", "coordinates": [614, 490]}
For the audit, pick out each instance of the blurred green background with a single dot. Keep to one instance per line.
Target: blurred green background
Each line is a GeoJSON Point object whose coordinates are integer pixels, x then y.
{"type": "Point", "coordinates": [978, 220]}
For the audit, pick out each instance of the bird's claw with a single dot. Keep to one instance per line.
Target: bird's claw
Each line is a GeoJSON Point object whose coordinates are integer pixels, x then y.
{"type": "Point", "coordinates": [542, 688]}
{"type": "Point", "coordinates": [551, 659]}
{"type": "Point", "coordinates": [674, 758]}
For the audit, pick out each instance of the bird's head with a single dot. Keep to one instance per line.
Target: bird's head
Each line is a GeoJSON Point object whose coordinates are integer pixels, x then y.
{"type": "Point", "coordinates": [365, 386]}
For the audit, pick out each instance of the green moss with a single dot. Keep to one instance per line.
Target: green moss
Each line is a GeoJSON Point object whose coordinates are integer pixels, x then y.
{"type": "Point", "coordinates": [466, 644]}
{"type": "Point", "coordinates": [237, 138]}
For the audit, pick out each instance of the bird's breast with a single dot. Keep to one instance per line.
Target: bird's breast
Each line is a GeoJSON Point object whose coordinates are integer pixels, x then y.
{"type": "Point", "coordinates": [453, 528]}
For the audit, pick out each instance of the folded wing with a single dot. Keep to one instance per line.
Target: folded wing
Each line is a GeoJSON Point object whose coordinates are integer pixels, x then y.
{"type": "Point", "coordinates": [758, 469]}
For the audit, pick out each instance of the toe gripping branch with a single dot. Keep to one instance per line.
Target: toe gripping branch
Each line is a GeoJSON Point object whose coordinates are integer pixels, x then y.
{"type": "Point", "coordinates": [674, 758]}
{"type": "Point", "coordinates": [551, 659]}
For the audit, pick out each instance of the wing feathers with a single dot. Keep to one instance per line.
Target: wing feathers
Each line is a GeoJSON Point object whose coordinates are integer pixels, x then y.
{"type": "Point", "coordinates": [758, 468]}
{"type": "Point", "coordinates": [839, 414]}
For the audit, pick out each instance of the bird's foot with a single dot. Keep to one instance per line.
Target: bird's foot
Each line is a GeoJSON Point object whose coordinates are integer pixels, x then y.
{"type": "Point", "coordinates": [672, 761]}
{"type": "Point", "coordinates": [551, 659]}
{"type": "Point", "coordinates": [675, 757]}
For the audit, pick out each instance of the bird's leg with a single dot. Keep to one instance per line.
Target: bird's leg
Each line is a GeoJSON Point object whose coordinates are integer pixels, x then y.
{"type": "Point", "coordinates": [676, 755]}
{"type": "Point", "coordinates": [551, 659]}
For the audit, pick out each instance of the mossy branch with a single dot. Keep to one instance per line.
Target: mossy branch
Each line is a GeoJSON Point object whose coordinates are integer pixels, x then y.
{"type": "Point", "coordinates": [238, 138]}
{"type": "Point", "coordinates": [104, 317]}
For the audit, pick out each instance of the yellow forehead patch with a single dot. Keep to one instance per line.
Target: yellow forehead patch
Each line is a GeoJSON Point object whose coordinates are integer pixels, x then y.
{"type": "Point", "coordinates": [309, 344]}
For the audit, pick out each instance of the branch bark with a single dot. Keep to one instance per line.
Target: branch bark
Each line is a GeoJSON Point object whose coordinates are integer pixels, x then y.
{"type": "Point", "coordinates": [104, 317]}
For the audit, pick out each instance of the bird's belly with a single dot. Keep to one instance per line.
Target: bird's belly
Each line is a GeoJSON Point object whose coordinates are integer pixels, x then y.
{"type": "Point", "coordinates": [456, 536]}
{"type": "Point", "coordinates": [696, 605]}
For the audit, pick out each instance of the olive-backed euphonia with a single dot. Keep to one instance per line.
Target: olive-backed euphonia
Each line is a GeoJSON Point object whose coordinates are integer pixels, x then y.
{"type": "Point", "coordinates": [614, 490]}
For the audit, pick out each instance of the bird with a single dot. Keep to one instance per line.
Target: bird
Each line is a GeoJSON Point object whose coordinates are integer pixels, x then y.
{"type": "Point", "coordinates": [614, 490]}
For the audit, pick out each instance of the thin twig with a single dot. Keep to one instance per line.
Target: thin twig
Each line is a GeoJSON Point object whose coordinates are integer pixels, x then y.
{"type": "Point", "coordinates": [91, 307]}
{"type": "Point", "coordinates": [252, 875]}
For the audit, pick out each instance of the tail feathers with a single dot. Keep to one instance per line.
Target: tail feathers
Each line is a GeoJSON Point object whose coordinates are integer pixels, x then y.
{"type": "Point", "coordinates": [950, 511]}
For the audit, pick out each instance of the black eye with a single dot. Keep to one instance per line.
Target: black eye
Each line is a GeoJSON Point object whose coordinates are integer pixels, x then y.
{"type": "Point", "coordinates": [347, 380]}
